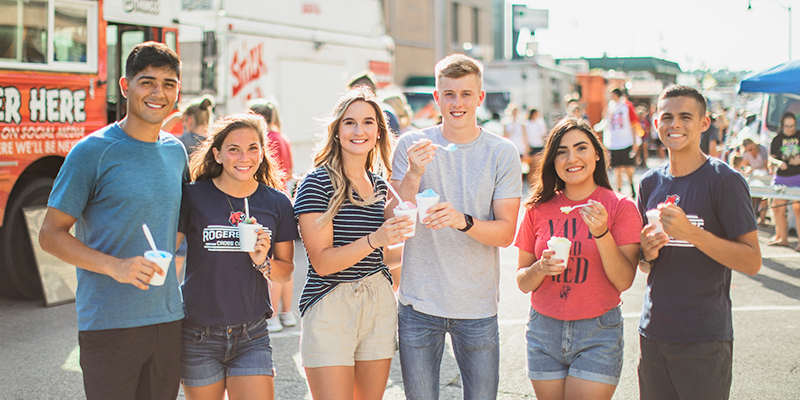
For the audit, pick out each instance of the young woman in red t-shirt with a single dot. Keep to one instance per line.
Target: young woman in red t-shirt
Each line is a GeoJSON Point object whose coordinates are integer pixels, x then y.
{"type": "Point", "coordinates": [574, 331]}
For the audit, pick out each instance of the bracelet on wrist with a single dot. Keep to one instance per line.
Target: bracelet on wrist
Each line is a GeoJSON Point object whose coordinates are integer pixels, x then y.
{"type": "Point", "coordinates": [604, 233]}
{"type": "Point", "coordinates": [370, 244]}
{"type": "Point", "coordinates": [266, 264]}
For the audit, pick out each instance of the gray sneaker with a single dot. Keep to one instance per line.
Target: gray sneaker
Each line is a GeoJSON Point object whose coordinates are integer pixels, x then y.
{"type": "Point", "coordinates": [288, 319]}
{"type": "Point", "coordinates": [274, 324]}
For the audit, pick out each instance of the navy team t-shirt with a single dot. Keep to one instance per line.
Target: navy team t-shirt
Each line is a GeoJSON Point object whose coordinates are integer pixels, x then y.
{"type": "Point", "coordinates": [687, 299]}
{"type": "Point", "coordinates": [221, 287]}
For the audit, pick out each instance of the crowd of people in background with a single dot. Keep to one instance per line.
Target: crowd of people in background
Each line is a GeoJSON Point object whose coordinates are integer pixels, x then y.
{"type": "Point", "coordinates": [207, 327]}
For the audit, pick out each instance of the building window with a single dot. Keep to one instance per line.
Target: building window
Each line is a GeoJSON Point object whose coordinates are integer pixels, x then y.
{"type": "Point", "coordinates": [476, 33]}
{"type": "Point", "coordinates": [454, 22]}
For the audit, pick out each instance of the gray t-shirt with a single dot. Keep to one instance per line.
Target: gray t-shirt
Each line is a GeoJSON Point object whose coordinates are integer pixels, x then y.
{"type": "Point", "coordinates": [446, 273]}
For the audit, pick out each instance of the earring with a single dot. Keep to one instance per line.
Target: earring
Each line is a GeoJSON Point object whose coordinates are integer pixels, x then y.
{"type": "Point", "coordinates": [379, 138]}
{"type": "Point", "coordinates": [336, 136]}
{"type": "Point", "coordinates": [218, 161]}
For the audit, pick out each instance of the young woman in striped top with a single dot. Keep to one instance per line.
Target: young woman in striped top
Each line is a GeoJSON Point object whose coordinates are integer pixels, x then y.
{"type": "Point", "coordinates": [348, 308]}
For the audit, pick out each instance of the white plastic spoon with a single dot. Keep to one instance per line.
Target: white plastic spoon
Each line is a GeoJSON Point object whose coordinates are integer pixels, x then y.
{"type": "Point", "coordinates": [149, 237]}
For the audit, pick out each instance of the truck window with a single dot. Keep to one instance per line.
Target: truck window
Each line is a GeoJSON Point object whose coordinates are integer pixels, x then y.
{"type": "Point", "coordinates": [70, 34]}
{"type": "Point", "coordinates": [48, 35]}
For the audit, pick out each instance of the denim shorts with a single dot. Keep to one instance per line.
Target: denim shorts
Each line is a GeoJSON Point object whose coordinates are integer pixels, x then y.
{"type": "Point", "coordinates": [213, 352]}
{"type": "Point", "coordinates": [589, 349]}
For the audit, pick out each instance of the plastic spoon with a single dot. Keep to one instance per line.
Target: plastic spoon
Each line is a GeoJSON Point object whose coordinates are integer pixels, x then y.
{"type": "Point", "coordinates": [568, 209]}
{"type": "Point", "coordinates": [450, 147]}
{"type": "Point", "coordinates": [246, 208]}
{"type": "Point", "coordinates": [150, 240]}
{"type": "Point", "coordinates": [402, 205]}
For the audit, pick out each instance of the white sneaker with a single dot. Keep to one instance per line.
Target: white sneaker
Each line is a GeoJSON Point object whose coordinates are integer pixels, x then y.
{"type": "Point", "coordinates": [288, 319]}
{"type": "Point", "coordinates": [274, 324]}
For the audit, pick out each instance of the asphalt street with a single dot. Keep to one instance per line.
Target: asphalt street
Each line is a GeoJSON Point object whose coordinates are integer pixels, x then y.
{"type": "Point", "coordinates": [39, 350]}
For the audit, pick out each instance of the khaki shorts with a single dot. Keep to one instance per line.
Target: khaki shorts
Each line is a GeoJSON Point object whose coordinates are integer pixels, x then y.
{"type": "Point", "coordinates": [357, 321]}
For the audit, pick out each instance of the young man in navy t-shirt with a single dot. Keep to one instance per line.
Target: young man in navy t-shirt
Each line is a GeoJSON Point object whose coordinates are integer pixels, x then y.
{"type": "Point", "coordinates": [686, 325]}
{"type": "Point", "coordinates": [113, 181]}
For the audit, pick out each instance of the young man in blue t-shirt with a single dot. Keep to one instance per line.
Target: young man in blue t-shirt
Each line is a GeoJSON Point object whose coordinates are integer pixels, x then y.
{"type": "Point", "coordinates": [686, 325]}
{"type": "Point", "coordinates": [113, 181]}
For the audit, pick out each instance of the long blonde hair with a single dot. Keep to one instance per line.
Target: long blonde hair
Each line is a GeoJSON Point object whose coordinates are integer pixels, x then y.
{"type": "Point", "coordinates": [329, 153]}
{"type": "Point", "coordinates": [203, 165]}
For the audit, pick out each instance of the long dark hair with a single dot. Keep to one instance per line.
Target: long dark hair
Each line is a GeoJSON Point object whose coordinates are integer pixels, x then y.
{"type": "Point", "coordinates": [547, 182]}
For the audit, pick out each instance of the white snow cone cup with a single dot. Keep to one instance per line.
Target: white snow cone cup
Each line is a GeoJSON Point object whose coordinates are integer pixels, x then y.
{"type": "Point", "coordinates": [163, 259]}
{"type": "Point", "coordinates": [560, 246]}
{"type": "Point", "coordinates": [426, 200]}
{"type": "Point", "coordinates": [411, 213]}
{"type": "Point", "coordinates": [654, 218]}
{"type": "Point", "coordinates": [248, 236]}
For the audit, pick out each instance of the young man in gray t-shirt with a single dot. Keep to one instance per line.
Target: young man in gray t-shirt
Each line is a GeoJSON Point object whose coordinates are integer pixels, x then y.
{"type": "Point", "coordinates": [451, 267]}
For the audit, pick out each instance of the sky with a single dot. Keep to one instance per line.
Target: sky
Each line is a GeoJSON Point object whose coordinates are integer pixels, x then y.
{"type": "Point", "coordinates": [697, 34]}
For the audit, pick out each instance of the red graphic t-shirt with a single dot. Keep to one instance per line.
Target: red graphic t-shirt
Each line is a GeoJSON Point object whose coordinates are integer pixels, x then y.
{"type": "Point", "coordinates": [583, 290]}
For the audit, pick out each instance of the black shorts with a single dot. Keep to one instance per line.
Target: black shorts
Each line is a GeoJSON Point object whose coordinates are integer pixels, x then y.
{"type": "Point", "coordinates": [132, 363]}
{"type": "Point", "coordinates": [685, 370]}
{"type": "Point", "coordinates": [622, 157]}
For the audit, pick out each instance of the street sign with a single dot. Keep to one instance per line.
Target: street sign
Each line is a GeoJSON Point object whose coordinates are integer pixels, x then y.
{"type": "Point", "coordinates": [525, 17]}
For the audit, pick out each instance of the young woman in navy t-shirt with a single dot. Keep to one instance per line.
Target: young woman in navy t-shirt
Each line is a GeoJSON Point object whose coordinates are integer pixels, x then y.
{"type": "Point", "coordinates": [226, 344]}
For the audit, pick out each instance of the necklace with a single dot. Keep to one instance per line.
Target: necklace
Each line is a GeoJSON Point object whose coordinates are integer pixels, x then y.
{"type": "Point", "coordinates": [236, 216]}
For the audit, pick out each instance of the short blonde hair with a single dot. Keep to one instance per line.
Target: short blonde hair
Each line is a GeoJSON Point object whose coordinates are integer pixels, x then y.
{"type": "Point", "coordinates": [456, 66]}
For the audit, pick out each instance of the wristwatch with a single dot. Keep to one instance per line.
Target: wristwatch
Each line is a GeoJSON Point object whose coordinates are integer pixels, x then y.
{"type": "Point", "coordinates": [467, 218]}
{"type": "Point", "coordinates": [642, 259]}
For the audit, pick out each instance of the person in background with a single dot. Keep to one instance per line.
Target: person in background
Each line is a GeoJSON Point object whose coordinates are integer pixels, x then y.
{"type": "Point", "coordinates": [785, 151]}
{"type": "Point", "coordinates": [226, 344]}
{"type": "Point", "coordinates": [621, 120]}
{"type": "Point", "coordinates": [576, 300]}
{"type": "Point", "coordinates": [348, 307]}
{"type": "Point", "coordinates": [686, 327]}
{"type": "Point", "coordinates": [281, 148]}
{"type": "Point", "coordinates": [451, 266]}
{"type": "Point", "coordinates": [196, 118]}
{"type": "Point", "coordinates": [660, 150]}
{"type": "Point", "coordinates": [755, 159]}
{"type": "Point", "coordinates": [537, 134]}
{"type": "Point", "coordinates": [644, 122]}
{"type": "Point", "coordinates": [709, 139]}
{"type": "Point", "coordinates": [403, 112]}
{"type": "Point", "coordinates": [514, 130]}
{"type": "Point", "coordinates": [112, 182]}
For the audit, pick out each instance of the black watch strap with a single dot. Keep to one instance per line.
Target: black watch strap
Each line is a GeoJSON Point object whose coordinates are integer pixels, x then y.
{"type": "Point", "coordinates": [468, 219]}
{"type": "Point", "coordinates": [642, 259]}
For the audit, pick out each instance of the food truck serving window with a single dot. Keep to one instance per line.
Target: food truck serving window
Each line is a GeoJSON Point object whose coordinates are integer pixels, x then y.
{"type": "Point", "coordinates": [54, 35]}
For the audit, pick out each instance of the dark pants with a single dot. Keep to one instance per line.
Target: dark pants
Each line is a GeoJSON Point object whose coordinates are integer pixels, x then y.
{"type": "Point", "coordinates": [132, 363]}
{"type": "Point", "coordinates": [685, 371]}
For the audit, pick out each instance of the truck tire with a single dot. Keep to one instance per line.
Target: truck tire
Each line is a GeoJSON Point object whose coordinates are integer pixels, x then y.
{"type": "Point", "coordinates": [19, 277]}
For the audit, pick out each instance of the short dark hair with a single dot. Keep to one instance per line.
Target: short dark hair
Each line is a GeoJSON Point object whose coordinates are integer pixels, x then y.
{"type": "Point", "coordinates": [784, 117]}
{"type": "Point", "coordinates": [152, 54]}
{"type": "Point", "coordinates": [617, 92]}
{"type": "Point", "coordinates": [684, 91]}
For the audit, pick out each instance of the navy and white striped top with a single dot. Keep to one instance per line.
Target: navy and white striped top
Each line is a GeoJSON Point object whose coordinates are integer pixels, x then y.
{"type": "Point", "coordinates": [349, 224]}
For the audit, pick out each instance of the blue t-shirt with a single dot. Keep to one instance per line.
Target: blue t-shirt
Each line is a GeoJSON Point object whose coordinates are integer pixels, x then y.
{"type": "Point", "coordinates": [687, 299]}
{"type": "Point", "coordinates": [349, 224]}
{"type": "Point", "coordinates": [222, 288]}
{"type": "Point", "coordinates": [112, 184]}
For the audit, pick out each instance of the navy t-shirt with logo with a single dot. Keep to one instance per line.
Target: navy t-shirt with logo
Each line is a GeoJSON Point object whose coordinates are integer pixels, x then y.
{"type": "Point", "coordinates": [687, 299]}
{"type": "Point", "coordinates": [221, 287]}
